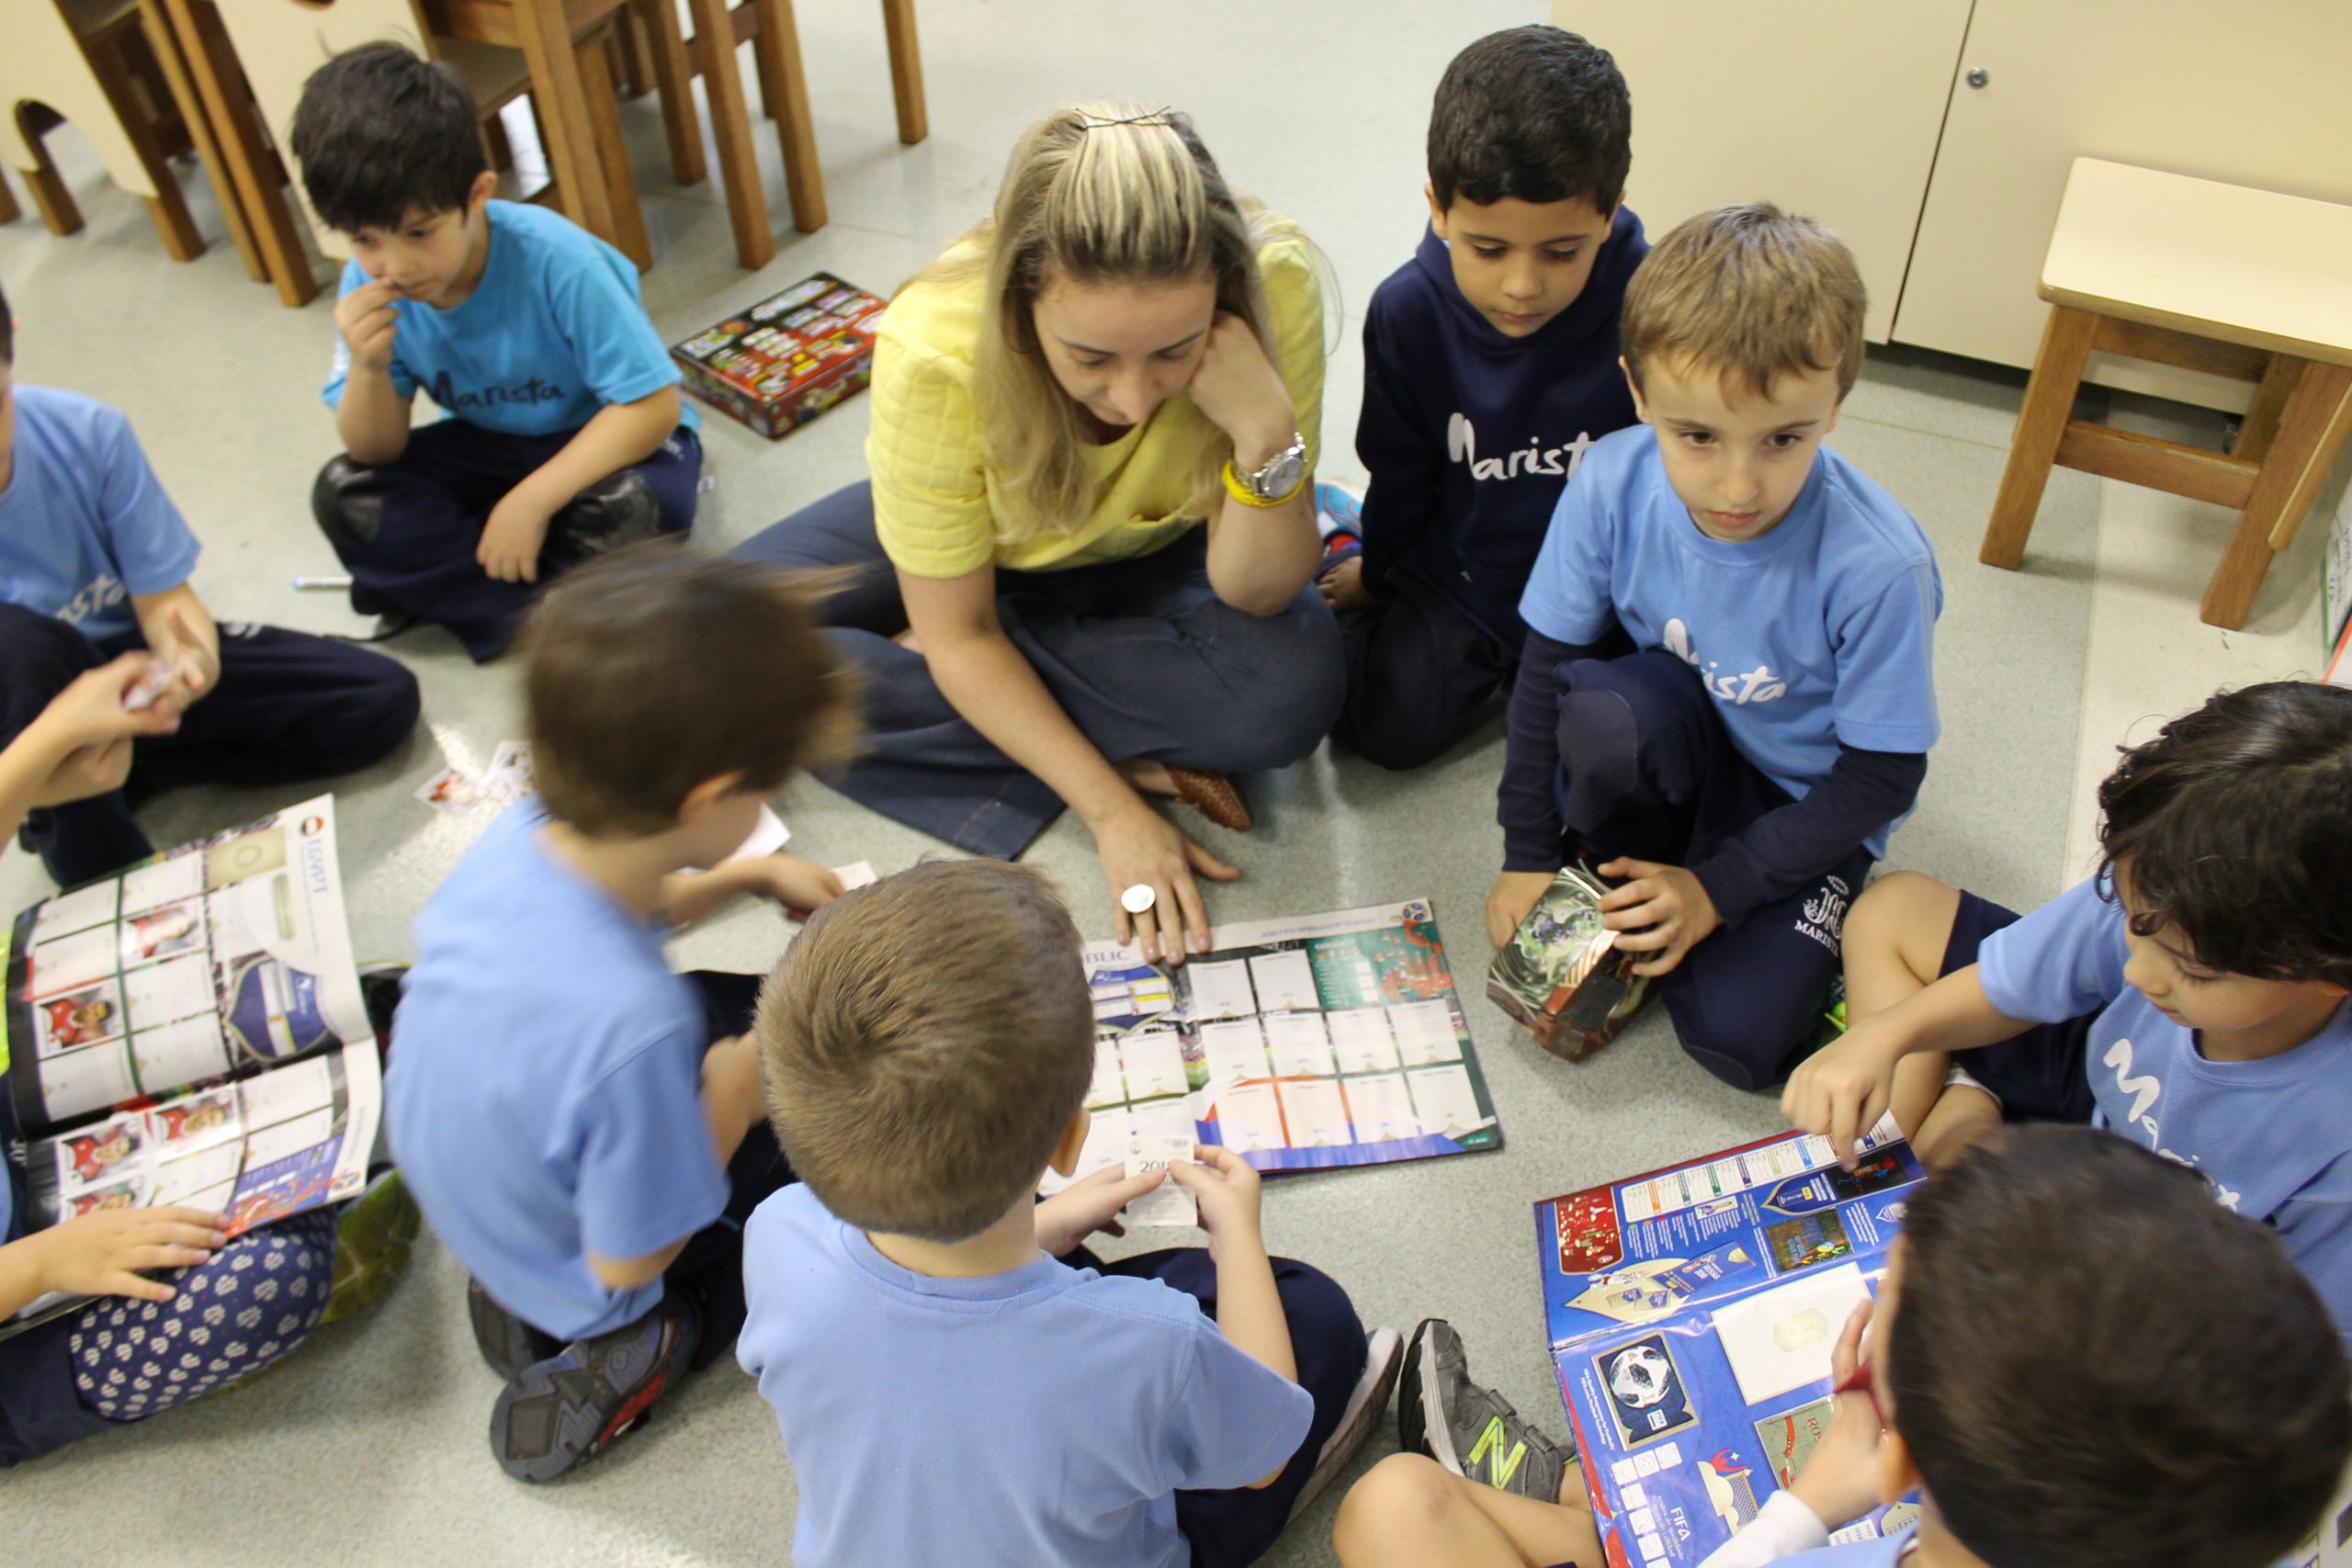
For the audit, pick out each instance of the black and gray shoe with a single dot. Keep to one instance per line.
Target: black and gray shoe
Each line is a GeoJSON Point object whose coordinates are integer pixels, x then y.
{"type": "Point", "coordinates": [1471, 1430]}
{"type": "Point", "coordinates": [555, 1414]}
{"type": "Point", "coordinates": [505, 1341]}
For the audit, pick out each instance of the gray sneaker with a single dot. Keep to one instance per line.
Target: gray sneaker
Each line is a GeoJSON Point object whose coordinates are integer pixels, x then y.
{"type": "Point", "coordinates": [1472, 1431]}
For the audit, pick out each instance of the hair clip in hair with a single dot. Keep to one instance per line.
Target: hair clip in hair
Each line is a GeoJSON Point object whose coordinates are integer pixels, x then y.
{"type": "Point", "coordinates": [1160, 116]}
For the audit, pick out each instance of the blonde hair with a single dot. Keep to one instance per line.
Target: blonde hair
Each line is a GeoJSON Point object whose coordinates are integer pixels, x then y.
{"type": "Point", "coordinates": [925, 1043]}
{"type": "Point", "coordinates": [1095, 193]}
{"type": "Point", "coordinates": [1751, 293]}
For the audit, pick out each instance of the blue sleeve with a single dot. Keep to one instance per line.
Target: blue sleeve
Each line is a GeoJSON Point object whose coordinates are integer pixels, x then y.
{"type": "Point", "coordinates": [648, 1174]}
{"type": "Point", "coordinates": [621, 358]}
{"type": "Point", "coordinates": [1568, 594]}
{"type": "Point", "coordinates": [2315, 1225]}
{"type": "Point", "coordinates": [1398, 447]}
{"type": "Point", "coordinates": [339, 368]}
{"type": "Point", "coordinates": [1235, 1421]}
{"type": "Point", "coordinates": [1886, 679]}
{"type": "Point", "coordinates": [150, 541]}
{"type": "Point", "coordinates": [2065, 960]}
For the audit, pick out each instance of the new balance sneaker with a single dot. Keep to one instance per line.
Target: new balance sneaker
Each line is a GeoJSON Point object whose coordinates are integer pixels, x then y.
{"type": "Point", "coordinates": [373, 1238]}
{"type": "Point", "coordinates": [555, 1414]}
{"type": "Point", "coordinates": [1472, 1431]}
{"type": "Point", "coordinates": [1339, 518]}
{"type": "Point", "coordinates": [1367, 1402]}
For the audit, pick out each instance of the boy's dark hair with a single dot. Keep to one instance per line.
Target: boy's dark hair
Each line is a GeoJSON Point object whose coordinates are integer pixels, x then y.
{"type": "Point", "coordinates": [1534, 113]}
{"type": "Point", "coordinates": [652, 671]}
{"type": "Point", "coordinates": [381, 133]}
{"type": "Point", "coordinates": [2234, 827]}
{"type": "Point", "coordinates": [2095, 1365]}
{"type": "Point", "coordinates": [925, 1043]}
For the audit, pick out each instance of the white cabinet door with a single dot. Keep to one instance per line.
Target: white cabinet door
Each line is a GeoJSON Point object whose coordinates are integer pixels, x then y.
{"type": "Point", "coordinates": [2256, 91]}
{"type": "Point", "coordinates": [1827, 107]}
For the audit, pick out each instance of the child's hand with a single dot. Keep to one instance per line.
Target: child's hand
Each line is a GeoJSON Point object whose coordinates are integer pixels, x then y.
{"type": "Point", "coordinates": [1078, 1210]}
{"type": "Point", "coordinates": [1839, 1482]}
{"type": "Point", "coordinates": [1343, 586]}
{"type": "Point", "coordinates": [89, 713]}
{"type": "Point", "coordinates": [1515, 893]}
{"type": "Point", "coordinates": [802, 886]}
{"type": "Point", "coordinates": [365, 318]}
{"type": "Point", "coordinates": [188, 652]}
{"type": "Point", "coordinates": [1845, 1087]}
{"type": "Point", "coordinates": [1241, 391]}
{"type": "Point", "coordinates": [102, 1254]}
{"type": "Point", "coordinates": [511, 540]}
{"type": "Point", "coordinates": [1663, 907]}
{"type": "Point", "coordinates": [1226, 1187]}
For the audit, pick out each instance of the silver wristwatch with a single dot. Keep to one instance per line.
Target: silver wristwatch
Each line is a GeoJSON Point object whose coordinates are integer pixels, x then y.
{"type": "Point", "coordinates": [1282, 474]}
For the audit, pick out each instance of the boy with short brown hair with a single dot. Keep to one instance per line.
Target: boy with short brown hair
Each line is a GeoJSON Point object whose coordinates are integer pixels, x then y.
{"type": "Point", "coordinates": [581, 1125]}
{"type": "Point", "coordinates": [1726, 695]}
{"type": "Point", "coordinates": [927, 1045]}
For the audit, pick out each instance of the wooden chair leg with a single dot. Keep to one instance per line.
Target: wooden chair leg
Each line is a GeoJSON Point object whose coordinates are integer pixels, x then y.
{"type": "Point", "coordinates": [730, 123]}
{"type": "Point", "coordinates": [166, 51]}
{"type": "Point", "coordinates": [779, 41]}
{"type": "Point", "coordinates": [2260, 426]}
{"type": "Point", "coordinates": [253, 168]}
{"type": "Point", "coordinates": [2312, 429]}
{"type": "Point", "coordinates": [632, 73]}
{"type": "Point", "coordinates": [775, 91]}
{"type": "Point", "coordinates": [168, 208]}
{"type": "Point", "coordinates": [906, 69]}
{"type": "Point", "coordinates": [2041, 424]}
{"type": "Point", "coordinates": [673, 79]}
{"type": "Point", "coordinates": [9, 210]}
{"type": "Point", "coordinates": [49, 195]}
{"type": "Point", "coordinates": [612, 154]}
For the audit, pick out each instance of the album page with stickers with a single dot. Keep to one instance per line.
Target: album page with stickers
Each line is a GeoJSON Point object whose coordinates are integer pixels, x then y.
{"type": "Point", "coordinates": [1693, 1313]}
{"type": "Point", "coordinates": [1310, 1044]}
{"type": "Point", "coordinates": [192, 1032]}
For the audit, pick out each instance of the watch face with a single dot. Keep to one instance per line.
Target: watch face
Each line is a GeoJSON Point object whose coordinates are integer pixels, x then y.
{"type": "Point", "coordinates": [1280, 477]}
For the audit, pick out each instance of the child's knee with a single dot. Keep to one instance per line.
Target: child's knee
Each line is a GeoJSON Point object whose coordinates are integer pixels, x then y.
{"type": "Point", "coordinates": [1402, 1503]}
{"type": "Point", "coordinates": [1902, 911]}
{"type": "Point", "coordinates": [347, 502]}
{"type": "Point", "coordinates": [1740, 1035]}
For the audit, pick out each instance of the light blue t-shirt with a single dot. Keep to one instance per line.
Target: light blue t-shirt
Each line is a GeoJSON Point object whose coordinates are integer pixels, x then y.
{"type": "Point", "coordinates": [545, 1090]}
{"type": "Point", "coordinates": [1884, 1552]}
{"type": "Point", "coordinates": [1820, 633]}
{"type": "Point", "coordinates": [2274, 1136]}
{"type": "Point", "coordinates": [1048, 1415]}
{"type": "Point", "coordinates": [552, 333]}
{"type": "Point", "coordinates": [83, 524]}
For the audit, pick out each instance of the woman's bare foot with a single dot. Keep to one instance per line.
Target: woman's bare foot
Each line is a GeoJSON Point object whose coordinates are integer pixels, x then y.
{"type": "Point", "coordinates": [1148, 776]}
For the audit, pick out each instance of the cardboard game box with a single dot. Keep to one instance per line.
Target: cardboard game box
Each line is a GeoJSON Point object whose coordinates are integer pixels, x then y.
{"type": "Point", "coordinates": [1560, 975]}
{"type": "Point", "coordinates": [788, 358]}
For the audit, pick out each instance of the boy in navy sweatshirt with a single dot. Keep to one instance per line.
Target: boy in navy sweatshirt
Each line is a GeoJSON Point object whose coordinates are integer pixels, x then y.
{"type": "Point", "coordinates": [1490, 365]}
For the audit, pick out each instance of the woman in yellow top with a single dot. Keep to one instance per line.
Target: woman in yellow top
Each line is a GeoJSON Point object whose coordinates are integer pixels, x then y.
{"type": "Point", "coordinates": [1089, 540]}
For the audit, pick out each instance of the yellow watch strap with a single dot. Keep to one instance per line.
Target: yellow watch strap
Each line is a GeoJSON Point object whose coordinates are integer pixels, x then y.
{"type": "Point", "coordinates": [1247, 497]}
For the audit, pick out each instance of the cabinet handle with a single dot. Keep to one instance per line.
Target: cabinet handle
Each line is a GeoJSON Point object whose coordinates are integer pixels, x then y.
{"type": "Point", "coordinates": [1978, 76]}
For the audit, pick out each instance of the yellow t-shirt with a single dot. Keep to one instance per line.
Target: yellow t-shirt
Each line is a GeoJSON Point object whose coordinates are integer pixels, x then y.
{"type": "Point", "coordinates": [936, 505]}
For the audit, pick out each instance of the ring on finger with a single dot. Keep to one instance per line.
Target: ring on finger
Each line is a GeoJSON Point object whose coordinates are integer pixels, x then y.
{"type": "Point", "coordinates": [1138, 899]}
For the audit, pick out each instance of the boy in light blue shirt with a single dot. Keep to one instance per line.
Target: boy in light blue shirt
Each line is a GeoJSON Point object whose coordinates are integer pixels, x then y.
{"type": "Point", "coordinates": [581, 1125]}
{"type": "Point", "coordinates": [566, 436]}
{"type": "Point", "coordinates": [1727, 694]}
{"type": "Point", "coordinates": [956, 1379]}
{"type": "Point", "coordinates": [2076, 1359]}
{"type": "Point", "coordinates": [2189, 996]}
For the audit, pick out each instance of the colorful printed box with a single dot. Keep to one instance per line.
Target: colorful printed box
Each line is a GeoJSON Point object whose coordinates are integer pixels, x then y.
{"type": "Point", "coordinates": [788, 358]}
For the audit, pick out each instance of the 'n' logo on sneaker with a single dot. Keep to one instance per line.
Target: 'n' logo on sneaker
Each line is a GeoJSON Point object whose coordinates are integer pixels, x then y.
{"type": "Point", "coordinates": [1500, 1467]}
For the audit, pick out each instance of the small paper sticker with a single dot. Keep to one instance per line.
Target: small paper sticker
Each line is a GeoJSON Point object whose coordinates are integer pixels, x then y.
{"type": "Point", "coordinates": [1170, 1202]}
{"type": "Point", "coordinates": [448, 791]}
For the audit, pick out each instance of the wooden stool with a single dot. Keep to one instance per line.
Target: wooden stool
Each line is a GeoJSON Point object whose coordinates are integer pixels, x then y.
{"type": "Point", "coordinates": [2210, 276]}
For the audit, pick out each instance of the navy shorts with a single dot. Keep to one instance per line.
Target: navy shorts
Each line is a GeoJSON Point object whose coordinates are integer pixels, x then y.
{"type": "Point", "coordinates": [2038, 1076]}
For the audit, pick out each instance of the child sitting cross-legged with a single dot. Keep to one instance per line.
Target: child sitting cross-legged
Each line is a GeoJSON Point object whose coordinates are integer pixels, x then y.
{"type": "Point", "coordinates": [2078, 1359]}
{"type": "Point", "coordinates": [582, 1126]}
{"type": "Point", "coordinates": [957, 1381]}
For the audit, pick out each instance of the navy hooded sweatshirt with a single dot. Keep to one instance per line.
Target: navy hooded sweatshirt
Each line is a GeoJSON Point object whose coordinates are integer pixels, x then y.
{"type": "Point", "coordinates": [1470, 434]}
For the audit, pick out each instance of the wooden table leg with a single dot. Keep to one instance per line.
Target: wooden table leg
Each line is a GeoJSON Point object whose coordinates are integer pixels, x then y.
{"type": "Point", "coordinates": [612, 149]}
{"type": "Point", "coordinates": [730, 123]}
{"type": "Point", "coordinates": [2312, 429]}
{"type": "Point", "coordinates": [9, 210]}
{"type": "Point", "coordinates": [906, 69]}
{"type": "Point", "coordinates": [2041, 424]}
{"type": "Point", "coordinates": [778, 42]}
{"type": "Point", "coordinates": [166, 48]}
{"type": "Point", "coordinates": [54, 202]}
{"type": "Point", "coordinates": [253, 166]}
{"type": "Point", "coordinates": [569, 130]}
{"type": "Point", "coordinates": [673, 79]}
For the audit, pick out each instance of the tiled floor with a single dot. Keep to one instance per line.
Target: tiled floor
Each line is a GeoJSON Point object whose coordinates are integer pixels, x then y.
{"type": "Point", "coordinates": [368, 1446]}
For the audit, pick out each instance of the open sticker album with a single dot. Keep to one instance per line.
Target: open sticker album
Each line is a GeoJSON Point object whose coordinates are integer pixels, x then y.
{"type": "Point", "coordinates": [1311, 1044]}
{"type": "Point", "coordinates": [1693, 1313]}
{"type": "Point", "coordinates": [192, 1032]}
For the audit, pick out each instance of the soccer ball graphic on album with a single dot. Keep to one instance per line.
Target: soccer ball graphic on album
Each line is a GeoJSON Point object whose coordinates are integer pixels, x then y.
{"type": "Point", "coordinates": [1640, 1376]}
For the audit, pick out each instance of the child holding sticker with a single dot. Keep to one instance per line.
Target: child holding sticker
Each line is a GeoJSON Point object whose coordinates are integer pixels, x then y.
{"type": "Point", "coordinates": [927, 1045]}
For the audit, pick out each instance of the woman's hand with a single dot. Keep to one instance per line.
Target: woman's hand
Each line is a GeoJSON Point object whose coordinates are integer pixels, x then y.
{"type": "Point", "coordinates": [1140, 846]}
{"type": "Point", "coordinates": [1242, 393]}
